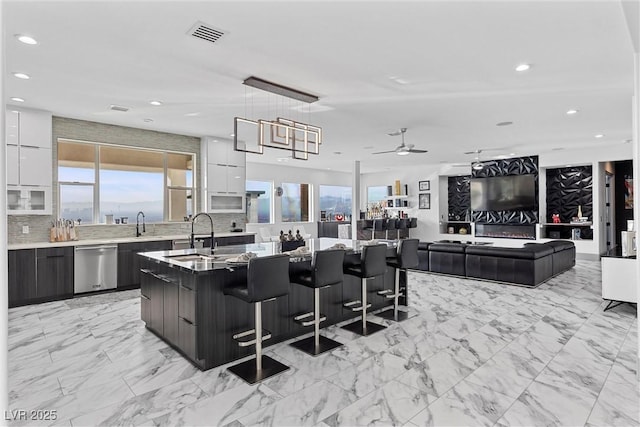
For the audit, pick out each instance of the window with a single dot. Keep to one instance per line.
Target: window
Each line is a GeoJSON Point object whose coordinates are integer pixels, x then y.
{"type": "Point", "coordinates": [295, 202]}
{"type": "Point", "coordinates": [376, 194]}
{"type": "Point", "coordinates": [335, 199]}
{"type": "Point", "coordinates": [259, 206]}
{"type": "Point", "coordinates": [97, 180]}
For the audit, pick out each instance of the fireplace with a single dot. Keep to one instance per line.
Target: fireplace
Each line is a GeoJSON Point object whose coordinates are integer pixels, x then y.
{"type": "Point", "coordinates": [506, 231]}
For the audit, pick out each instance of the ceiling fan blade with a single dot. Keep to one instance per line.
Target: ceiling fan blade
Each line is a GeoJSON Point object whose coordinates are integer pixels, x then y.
{"type": "Point", "coordinates": [385, 152]}
{"type": "Point", "coordinates": [414, 150]}
{"type": "Point", "coordinates": [396, 133]}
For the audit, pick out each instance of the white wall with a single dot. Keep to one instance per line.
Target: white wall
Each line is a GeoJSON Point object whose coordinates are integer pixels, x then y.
{"type": "Point", "coordinates": [288, 173]}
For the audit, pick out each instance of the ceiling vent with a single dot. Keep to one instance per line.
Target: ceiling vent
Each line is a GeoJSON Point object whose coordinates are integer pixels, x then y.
{"type": "Point", "coordinates": [205, 32]}
{"type": "Point", "coordinates": [119, 108]}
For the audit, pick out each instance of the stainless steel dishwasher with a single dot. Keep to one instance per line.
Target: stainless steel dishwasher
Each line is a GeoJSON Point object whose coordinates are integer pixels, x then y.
{"type": "Point", "coordinates": [95, 268]}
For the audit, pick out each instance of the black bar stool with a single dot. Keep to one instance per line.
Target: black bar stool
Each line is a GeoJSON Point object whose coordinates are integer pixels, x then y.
{"type": "Point", "coordinates": [325, 272]}
{"type": "Point", "coordinates": [407, 257]}
{"type": "Point", "coordinates": [372, 265]}
{"type": "Point", "coordinates": [402, 224]}
{"type": "Point", "coordinates": [267, 279]}
{"type": "Point", "coordinates": [379, 224]}
{"type": "Point", "coordinates": [391, 226]}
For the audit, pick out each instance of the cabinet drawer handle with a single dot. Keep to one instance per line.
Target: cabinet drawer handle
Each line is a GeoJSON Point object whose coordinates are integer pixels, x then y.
{"type": "Point", "coordinates": [54, 256]}
{"type": "Point", "coordinates": [187, 321]}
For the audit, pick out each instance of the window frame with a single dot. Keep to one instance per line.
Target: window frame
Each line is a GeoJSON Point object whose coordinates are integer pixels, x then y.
{"type": "Point", "coordinates": [96, 183]}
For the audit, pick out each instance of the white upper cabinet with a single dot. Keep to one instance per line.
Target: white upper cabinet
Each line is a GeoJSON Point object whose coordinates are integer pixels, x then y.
{"type": "Point", "coordinates": [35, 128]}
{"type": "Point", "coordinates": [29, 161]}
{"type": "Point", "coordinates": [35, 166]}
{"type": "Point", "coordinates": [13, 177]}
{"type": "Point", "coordinates": [226, 175]}
{"type": "Point", "coordinates": [12, 129]}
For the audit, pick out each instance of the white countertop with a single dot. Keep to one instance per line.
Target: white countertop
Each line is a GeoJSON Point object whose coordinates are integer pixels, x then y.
{"type": "Point", "coordinates": [106, 241]}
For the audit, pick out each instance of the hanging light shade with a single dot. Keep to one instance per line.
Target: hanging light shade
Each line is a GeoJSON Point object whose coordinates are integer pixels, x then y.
{"type": "Point", "coordinates": [282, 133]}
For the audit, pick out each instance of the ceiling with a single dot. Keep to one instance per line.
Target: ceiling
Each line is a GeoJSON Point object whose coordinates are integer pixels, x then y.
{"type": "Point", "coordinates": [444, 70]}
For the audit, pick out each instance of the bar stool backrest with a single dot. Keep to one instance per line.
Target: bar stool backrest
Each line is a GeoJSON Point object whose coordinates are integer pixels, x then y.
{"type": "Point", "coordinates": [402, 224]}
{"type": "Point", "coordinates": [380, 224]}
{"type": "Point", "coordinates": [268, 277]}
{"type": "Point", "coordinates": [373, 260]}
{"type": "Point", "coordinates": [408, 253]}
{"type": "Point", "coordinates": [327, 267]}
{"type": "Point", "coordinates": [391, 223]}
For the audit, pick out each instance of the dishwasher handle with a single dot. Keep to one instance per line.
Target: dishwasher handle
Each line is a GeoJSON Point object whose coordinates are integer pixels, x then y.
{"type": "Point", "coordinates": [94, 248]}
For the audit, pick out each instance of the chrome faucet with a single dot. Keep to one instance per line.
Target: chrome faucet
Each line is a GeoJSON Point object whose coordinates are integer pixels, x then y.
{"type": "Point", "coordinates": [192, 241]}
{"type": "Point", "coordinates": [138, 234]}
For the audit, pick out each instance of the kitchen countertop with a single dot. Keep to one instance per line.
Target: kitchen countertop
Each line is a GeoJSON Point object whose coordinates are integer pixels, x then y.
{"type": "Point", "coordinates": [106, 241]}
{"type": "Point", "coordinates": [217, 260]}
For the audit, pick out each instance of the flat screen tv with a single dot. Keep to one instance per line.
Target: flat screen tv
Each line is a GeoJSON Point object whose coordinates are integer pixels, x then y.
{"type": "Point", "coordinates": [503, 193]}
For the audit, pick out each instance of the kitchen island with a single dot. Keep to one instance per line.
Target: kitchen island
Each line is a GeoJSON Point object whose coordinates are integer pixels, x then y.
{"type": "Point", "coordinates": [183, 302]}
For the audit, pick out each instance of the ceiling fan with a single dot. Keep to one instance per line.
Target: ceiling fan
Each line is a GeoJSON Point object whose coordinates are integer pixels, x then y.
{"type": "Point", "coordinates": [402, 149]}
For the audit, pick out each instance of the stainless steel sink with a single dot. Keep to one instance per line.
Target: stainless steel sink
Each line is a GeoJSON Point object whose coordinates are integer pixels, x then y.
{"type": "Point", "coordinates": [192, 257]}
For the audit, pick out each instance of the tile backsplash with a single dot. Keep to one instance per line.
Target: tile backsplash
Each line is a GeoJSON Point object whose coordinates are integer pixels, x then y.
{"type": "Point", "coordinates": [39, 228]}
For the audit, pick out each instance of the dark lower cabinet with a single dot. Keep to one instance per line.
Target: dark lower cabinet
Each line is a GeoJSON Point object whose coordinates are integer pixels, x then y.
{"type": "Point", "coordinates": [129, 262]}
{"type": "Point", "coordinates": [39, 275]}
{"type": "Point", "coordinates": [170, 319]}
{"type": "Point", "coordinates": [22, 277]}
{"type": "Point", "coordinates": [54, 272]}
{"type": "Point", "coordinates": [187, 338]}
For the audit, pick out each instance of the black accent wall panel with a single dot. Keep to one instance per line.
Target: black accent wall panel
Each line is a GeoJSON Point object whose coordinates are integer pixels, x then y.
{"type": "Point", "coordinates": [568, 188]}
{"type": "Point", "coordinates": [459, 197]}
{"type": "Point", "coordinates": [504, 167]}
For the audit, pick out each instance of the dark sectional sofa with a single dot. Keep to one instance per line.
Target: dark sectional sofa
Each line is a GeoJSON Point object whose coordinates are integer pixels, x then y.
{"type": "Point", "coordinates": [529, 265]}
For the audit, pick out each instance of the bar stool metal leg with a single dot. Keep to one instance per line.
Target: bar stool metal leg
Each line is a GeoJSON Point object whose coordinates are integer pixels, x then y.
{"type": "Point", "coordinates": [394, 314]}
{"type": "Point", "coordinates": [253, 371]}
{"type": "Point", "coordinates": [317, 344]}
{"type": "Point", "coordinates": [363, 327]}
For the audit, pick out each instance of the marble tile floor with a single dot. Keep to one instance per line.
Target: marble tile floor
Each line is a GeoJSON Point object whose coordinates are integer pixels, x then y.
{"type": "Point", "coordinates": [474, 353]}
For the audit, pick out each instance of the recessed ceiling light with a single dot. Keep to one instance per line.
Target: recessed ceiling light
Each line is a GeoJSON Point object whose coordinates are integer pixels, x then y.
{"type": "Point", "coordinates": [523, 67]}
{"type": "Point", "coordinates": [337, 152]}
{"type": "Point", "coordinates": [283, 159]}
{"type": "Point", "coordinates": [512, 154]}
{"type": "Point", "coordinates": [148, 120]}
{"type": "Point", "coordinates": [232, 134]}
{"type": "Point", "coordinates": [368, 147]}
{"type": "Point", "coordinates": [156, 103]}
{"type": "Point", "coordinates": [402, 153]}
{"type": "Point", "coordinates": [22, 76]}
{"type": "Point", "coordinates": [568, 166]}
{"type": "Point", "coordinates": [599, 135]}
{"type": "Point", "coordinates": [504, 124]}
{"type": "Point", "coordinates": [16, 99]}
{"type": "Point", "coordinates": [557, 149]}
{"type": "Point", "coordinates": [572, 112]}
{"type": "Point", "coordinates": [194, 114]}
{"type": "Point", "coordinates": [26, 39]}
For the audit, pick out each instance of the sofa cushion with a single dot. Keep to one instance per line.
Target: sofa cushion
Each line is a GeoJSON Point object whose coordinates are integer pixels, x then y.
{"type": "Point", "coordinates": [560, 245]}
{"type": "Point", "coordinates": [447, 247]}
{"type": "Point", "coordinates": [533, 251]}
{"type": "Point", "coordinates": [423, 246]}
